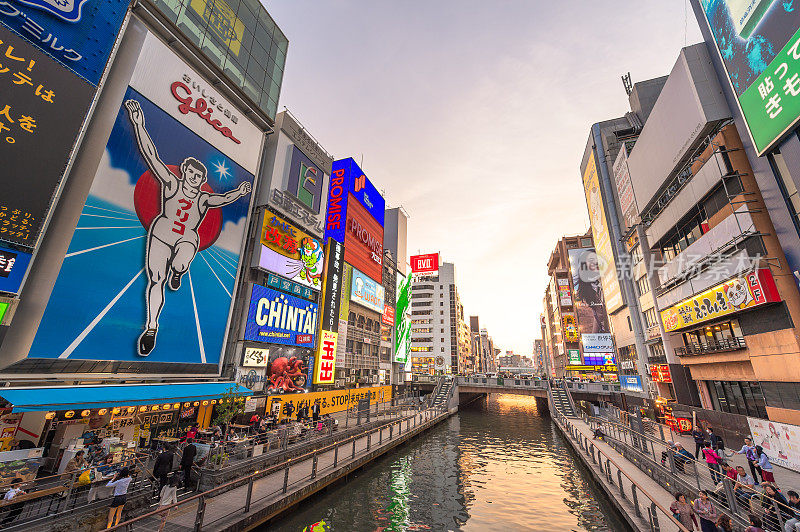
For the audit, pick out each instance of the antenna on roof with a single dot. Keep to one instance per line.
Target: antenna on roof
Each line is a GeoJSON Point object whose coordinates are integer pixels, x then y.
{"type": "Point", "coordinates": [626, 82]}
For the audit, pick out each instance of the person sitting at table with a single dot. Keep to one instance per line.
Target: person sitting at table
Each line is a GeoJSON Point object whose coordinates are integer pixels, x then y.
{"type": "Point", "coordinates": [106, 467]}
{"type": "Point", "coordinates": [192, 431]}
{"type": "Point", "coordinates": [16, 508]}
{"type": "Point", "coordinates": [76, 463]}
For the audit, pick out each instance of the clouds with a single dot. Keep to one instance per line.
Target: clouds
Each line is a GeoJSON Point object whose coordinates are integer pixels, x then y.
{"type": "Point", "coordinates": [113, 184]}
{"type": "Point", "coordinates": [474, 117]}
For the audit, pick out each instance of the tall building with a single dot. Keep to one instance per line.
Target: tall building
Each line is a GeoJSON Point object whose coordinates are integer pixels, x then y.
{"type": "Point", "coordinates": [440, 337]}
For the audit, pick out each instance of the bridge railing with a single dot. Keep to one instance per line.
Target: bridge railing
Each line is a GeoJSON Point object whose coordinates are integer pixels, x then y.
{"type": "Point", "coordinates": [501, 382]}
{"type": "Point", "coordinates": [594, 387]}
{"type": "Point", "coordinates": [644, 504]}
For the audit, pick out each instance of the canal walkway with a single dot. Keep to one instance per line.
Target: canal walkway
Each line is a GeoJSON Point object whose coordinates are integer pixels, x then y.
{"type": "Point", "coordinates": [263, 495]}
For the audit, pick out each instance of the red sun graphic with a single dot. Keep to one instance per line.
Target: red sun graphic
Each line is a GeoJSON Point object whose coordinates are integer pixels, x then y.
{"type": "Point", "coordinates": [147, 200]}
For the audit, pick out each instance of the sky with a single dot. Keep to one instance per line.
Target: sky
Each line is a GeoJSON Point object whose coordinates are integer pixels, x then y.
{"type": "Point", "coordinates": [473, 116]}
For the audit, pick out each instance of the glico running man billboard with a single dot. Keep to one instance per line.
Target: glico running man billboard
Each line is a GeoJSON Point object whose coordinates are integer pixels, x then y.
{"type": "Point", "coordinates": [151, 269]}
{"type": "Point", "coordinates": [759, 43]}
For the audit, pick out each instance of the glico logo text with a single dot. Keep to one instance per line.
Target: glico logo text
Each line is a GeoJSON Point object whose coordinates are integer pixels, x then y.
{"type": "Point", "coordinates": [375, 245]}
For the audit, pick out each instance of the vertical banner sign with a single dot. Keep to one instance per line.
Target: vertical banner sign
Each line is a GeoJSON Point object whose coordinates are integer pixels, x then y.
{"type": "Point", "coordinates": [759, 44]}
{"type": "Point", "coordinates": [402, 337]}
{"type": "Point", "coordinates": [41, 105]}
{"type": "Point", "coordinates": [332, 287]}
{"type": "Point", "coordinates": [326, 358]}
{"type": "Point", "coordinates": [627, 199]}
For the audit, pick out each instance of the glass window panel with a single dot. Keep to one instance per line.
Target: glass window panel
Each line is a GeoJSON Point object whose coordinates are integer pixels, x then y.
{"type": "Point", "coordinates": [737, 398]}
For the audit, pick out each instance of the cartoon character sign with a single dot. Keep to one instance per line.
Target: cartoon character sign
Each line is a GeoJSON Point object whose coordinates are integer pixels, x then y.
{"type": "Point", "coordinates": [290, 252]}
{"type": "Point", "coordinates": [737, 293]}
{"type": "Point", "coordinates": [311, 255]}
{"type": "Point", "coordinates": [166, 210]}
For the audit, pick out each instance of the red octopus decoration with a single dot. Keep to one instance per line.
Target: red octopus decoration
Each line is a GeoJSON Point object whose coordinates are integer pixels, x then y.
{"type": "Point", "coordinates": [283, 372]}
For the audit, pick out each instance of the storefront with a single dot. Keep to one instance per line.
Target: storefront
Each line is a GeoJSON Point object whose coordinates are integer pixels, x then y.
{"type": "Point", "coordinates": [110, 421]}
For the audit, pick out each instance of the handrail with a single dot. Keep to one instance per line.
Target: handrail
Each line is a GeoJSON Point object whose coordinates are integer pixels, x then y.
{"type": "Point", "coordinates": [620, 472]}
{"type": "Point", "coordinates": [272, 469]}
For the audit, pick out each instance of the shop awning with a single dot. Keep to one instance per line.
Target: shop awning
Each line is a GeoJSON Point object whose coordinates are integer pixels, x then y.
{"type": "Point", "coordinates": [105, 396]}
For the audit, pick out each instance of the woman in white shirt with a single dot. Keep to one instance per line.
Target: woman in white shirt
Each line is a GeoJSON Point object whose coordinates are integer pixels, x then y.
{"type": "Point", "coordinates": [120, 484]}
{"type": "Point", "coordinates": [168, 497]}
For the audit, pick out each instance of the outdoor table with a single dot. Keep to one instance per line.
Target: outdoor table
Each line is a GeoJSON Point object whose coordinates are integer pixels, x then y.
{"type": "Point", "coordinates": [99, 490]}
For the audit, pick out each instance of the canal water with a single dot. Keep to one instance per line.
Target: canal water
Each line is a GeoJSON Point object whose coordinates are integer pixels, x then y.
{"type": "Point", "coordinates": [498, 465]}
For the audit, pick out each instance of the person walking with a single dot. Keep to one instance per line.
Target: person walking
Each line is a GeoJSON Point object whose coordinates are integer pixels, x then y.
{"type": "Point", "coordinates": [120, 484]}
{"type": "Point", "coordinates": [163, 466]}
{"type": "Point", "coordinates": [168, 497]}
{"type": "Point", "coordinates": [713, 461]}
{"type": "Point", "coordinates": [749, 452]}
{"type": "Point", "coordinates": [706, 511]}
{"type": "Point", "coordinates": [682, 511]}
{"type": "Point", "coordinates": [764, 466]}
{"type": "Point", "coordinates": [187, 460]}
{"type": "Point", "coordinates": [699, 441]}
{"type": "Point", "coordinates": [716, 441]}
{"type": "Point", "coordinates": [16, 508]}
{"type": "Point", "coordinates": [724, 524]}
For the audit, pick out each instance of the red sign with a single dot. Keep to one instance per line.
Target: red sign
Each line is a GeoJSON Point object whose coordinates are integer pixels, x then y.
{"type": "Point", "coordinates": [388, 315]}
{"type": "Point", "coordinates": [363, 241]}
{"type": "Point", "coordinates": [660, 373]}
{"type": "Point", "coordinates": [200, 108]}
{"type": "Point", "coordinates": [425, 263]}
{"type": "Point", "coordinates": [304, 338]}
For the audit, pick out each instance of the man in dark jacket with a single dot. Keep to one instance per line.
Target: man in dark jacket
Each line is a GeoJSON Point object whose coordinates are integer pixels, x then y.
{"type": "Point", "coordinates": [699, 440]}
{"type": "Point", "coordinates": [163, 467]}
{"type": "Point", "coordinates": [189, 453]}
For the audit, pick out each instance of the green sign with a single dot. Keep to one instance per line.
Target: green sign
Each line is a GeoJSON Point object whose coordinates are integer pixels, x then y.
{"type": "Point", "coordinates": [574, 356]}
{"type": "Point", "coordinates": [759, 44]}
{"type": "Point", "coordinates": [402, 343]}
{"type": "Point", "coordinates": [4, 305]}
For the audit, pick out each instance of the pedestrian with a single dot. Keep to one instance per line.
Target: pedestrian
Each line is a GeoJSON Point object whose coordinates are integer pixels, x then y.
{"type": "Point", "coordinates": [16, 508]}
{"type": "Point", "coordinates": [729, 470]}
{"type": "Point", "coordinates": [315, 410]}
{"type": "Point", "coordinates": [764, 466]}
{"type": "Point", "coordinates": [120, 484]}
{"type": "Point", "coordinates": [716, 441]}
{"type": "Point", "coordinates": [755, 524]}
{"type": "Point", "coordinates": [682, 457]}
{"type": "Point", "coordinates": [770, 518]}
{"type": "Point", "coordinates": [168, 497]}
{"type": "Point", "coordinates": [724, 524]}
{"type": "Point", "coordinates": [76, 463]}
{"type": "Point", "coordinates": [706, 511]}
{"type": "Point", "coordinates": [683, 512]}
{"type": "Point", "coordinates": [192, 431]}
{"type": "Point", "coordinates": [712, 461]}
{"type": "Point", "coordinates": [163, 466]}
{"type": "Point", "coordinates": [794, 502]}
{"type": "Point", "coordinates": [749, 451]}
{"type": "Point", "coordinates": [187, 460]}
{"type": "Point", "coordinates": [744, 486]}
{"type": "Point", "coordinates": [699, 441]}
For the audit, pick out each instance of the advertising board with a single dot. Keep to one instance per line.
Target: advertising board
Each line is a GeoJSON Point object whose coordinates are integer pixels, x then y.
{"type": "Point", "coordinates": [333, 286]}
{"type": "Point", "coordinates": [402, 339]}
{"type": "Point", "coordinates": [759, 44]}
{"type": "Point", "coordinates": [331, 401]}
{"type": "Point", "coordinates": [627, 199]}
{"type": "Point", "coordinates": [255, 357]}
{"type": "Point", "coordinates": [387, 318]}
{"type": "Point", "coordinates": [660, 373]}
{"type": "Point", "coordinates": [285, 285]}
{"type": "Point", "coordinates": [564, 293]}
{"type": "Point", "coordinates": [597, 342]}
{"type": "Point", "coordinates": [77, 34]}
{"type": "Point", "coordinates": [740, 293]}
{"type": "Point", "coordinates": [587, 293]}
{"type": "Point", "coordinates": [425, 264]}
{"type": "Point", "coordinates": [631, 383]}
{"type": "Point", "coordinates": [366, 292]}
{"type": "Point", "coordinates": [43, 105]}
{"type": "Point", "coordinates": [599, 369]}
{"type": "Point", "coordinates": [601, 236]}
{"type": "Point", "coordinates": [325, 368]}
{"type": "Point", "coordinates": [363, 242]}
{"type": "Point", "coordinates": [290, 252]}
{"type": "Point", "coordinates": [780, 441]}
{"type": "Point", "coordinates": [13, 265]}
{"type": "Point", "coordinates": [570, 329]}
{"type": "Point", "coordinates": [289, 371]}
{"type": "Point", "coordinates": [574, 356]}
{"type": "Point", "coordinates": [278, 318]}
{"type": "Point", "coordinates": [155, 255]}
{"type": "Point", "coordinates": [347, 179]}
{"type": "Point", "coordinates": [599, 359]}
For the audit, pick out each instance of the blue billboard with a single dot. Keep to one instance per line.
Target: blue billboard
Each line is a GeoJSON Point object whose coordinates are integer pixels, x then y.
{"type": "Point", "coordinates": [346, 179]}
{"type": "Point", "coordinates": [367, 292]}
{"type": "Point", "coordinates": [79, 34]}
{"type": "Point", "coordinates": [151, 268]}
{"type": "Point", "coordinates": [278, 318]}
{"type": "Point", "coordinates": [13, 265]}
{"type": "Point", "coordinates": [632, 383]}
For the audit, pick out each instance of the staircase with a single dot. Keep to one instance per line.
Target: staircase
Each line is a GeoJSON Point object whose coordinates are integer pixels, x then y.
{"type": "Point", "coordinates": [559, 396]}
{"type": "Point", "coordinates": [442, 393]}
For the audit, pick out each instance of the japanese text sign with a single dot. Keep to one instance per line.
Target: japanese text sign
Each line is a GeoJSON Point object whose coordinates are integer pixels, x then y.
{"type": "Point", "coordinates": [290, 252]}
{"type": "Point", "coordinates": [255, 357]}
{"type": "Point", "coordinates": [13, 265]}
{"type": "Point", "coordinates": [759, 44]}
{"type": "Point", "coordinates": [78, 34]}
{"type": "Point", "coordinates": [42, 107]}
{"type": "Point", "coordinates": [660, 373]}
{"type": "Point", "coordinates": [363, 242]}
{"type": "Point", "coordinates": [746, 291]}
{"type": "Point", "coordinates": [388, 315]}
{"type": "Point", "coordinates": [334, 266]}
{"type": "Point", "coordinates": [326, 358]}
{"type": "Point", "coordinates": [278, 318]}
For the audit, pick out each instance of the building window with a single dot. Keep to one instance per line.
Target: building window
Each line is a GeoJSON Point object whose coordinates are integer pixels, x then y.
{"type": "Point", "coordinates": [643, 286]}
{"type": "Point", "coordinates": [787, 186]}
{"type": "Point", "coordinates": [636, 254]}
{"type": "Point", "coordinates": [650, 317]}
{"type": "Point", "coordinates": [735, 397]}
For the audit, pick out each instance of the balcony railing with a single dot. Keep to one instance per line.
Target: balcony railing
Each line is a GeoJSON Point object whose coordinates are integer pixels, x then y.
{"type": "Point", "coordinates": [726, 344]}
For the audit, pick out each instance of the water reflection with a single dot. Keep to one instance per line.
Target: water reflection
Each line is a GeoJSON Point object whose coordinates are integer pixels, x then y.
{"type": "Point", "coordinates": [497, 466]}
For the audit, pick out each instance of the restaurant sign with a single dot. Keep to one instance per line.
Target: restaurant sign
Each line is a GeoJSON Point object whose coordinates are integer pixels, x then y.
{"type": "Point", "coordinates": [740, 293]}
{"type": "Point", "coordinates": [602, 369]}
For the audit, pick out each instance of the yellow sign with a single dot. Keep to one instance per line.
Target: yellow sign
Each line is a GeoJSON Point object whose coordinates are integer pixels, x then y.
{"type": "Point", "coordinates": [601, 237]}
{"type": "Point", "coordinates": [740, 293]}
{"type": "Point", "coordinates": [332, 401]}
{"type": "Point", "coordinates": [570, 329]}
{"type": "Point", "coordinates": [222, 21]}
{"type": "Point", "coordinates": [325, 362]}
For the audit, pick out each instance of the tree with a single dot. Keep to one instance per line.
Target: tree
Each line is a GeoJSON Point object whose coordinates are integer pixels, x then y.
{"type": "Point", "coordinates": [230, 405]}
